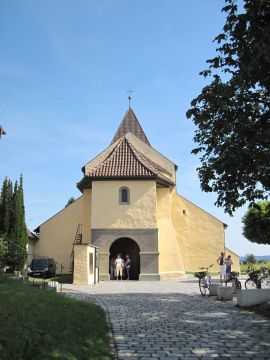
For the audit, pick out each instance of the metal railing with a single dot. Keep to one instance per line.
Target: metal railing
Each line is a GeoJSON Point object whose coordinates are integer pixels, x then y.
{"type": "Point", "coordinates": [77, 240]}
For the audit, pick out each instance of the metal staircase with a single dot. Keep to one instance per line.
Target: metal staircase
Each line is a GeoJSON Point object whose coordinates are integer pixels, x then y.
{"type": "Point", "coordinates": [77, 240]}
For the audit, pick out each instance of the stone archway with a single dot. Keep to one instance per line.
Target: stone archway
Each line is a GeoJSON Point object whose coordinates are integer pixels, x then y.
{"type": "Point", "coordinates": [126, 246]}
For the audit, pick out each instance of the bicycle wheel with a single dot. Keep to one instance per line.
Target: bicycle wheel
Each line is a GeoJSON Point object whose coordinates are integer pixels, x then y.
{"type": "Point", "coordinates": [231, 283]}
{"type": "Point", "coordinates": [238, 284]}
{"type": "Point", "coordinates": [265, 283]}
{"type": "Point", "coordinates": [250, 284]}
{"type": "Point", "coordinates": [203, 286]}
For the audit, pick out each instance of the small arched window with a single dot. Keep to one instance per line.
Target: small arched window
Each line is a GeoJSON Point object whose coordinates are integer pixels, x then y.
{"type": "Point", "coordinates": [124, 196]}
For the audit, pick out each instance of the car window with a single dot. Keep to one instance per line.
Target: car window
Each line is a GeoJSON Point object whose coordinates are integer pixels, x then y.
{"type": "Point", "coordinates": [40, 262]}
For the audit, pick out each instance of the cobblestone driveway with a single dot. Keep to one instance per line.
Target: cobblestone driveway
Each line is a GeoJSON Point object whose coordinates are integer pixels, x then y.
{"type": "Point", "coordinates": [169, 320]}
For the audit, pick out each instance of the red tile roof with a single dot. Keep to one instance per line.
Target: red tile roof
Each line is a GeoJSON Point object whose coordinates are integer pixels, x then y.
{"type": "Point", "coordinates": [124, 161]}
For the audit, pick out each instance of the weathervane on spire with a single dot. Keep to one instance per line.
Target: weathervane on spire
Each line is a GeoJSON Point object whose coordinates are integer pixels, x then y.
{"type": "Point", "coordinates": [129, 97]}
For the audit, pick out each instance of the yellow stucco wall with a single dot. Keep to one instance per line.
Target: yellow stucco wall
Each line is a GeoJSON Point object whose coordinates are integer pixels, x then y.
{"type": "Point", "coordinates": [170, 259]}
{"type": "Point", "coordinates": [186, 241]}
{"type": "Point", "coordinates": [84, 271]}
{"type": "Point", "coordinates": [30, 251]}
{"type": "Point", "coordinates": [199, 234]}
{"type": "Point", "coordinates": [81, 264]}
{"type": "Point", "coordinates": [108, 213]}
{"type": "Point", "coordinates": [86, 222]}
{"type": "Point", "coordinates": [57, 234]}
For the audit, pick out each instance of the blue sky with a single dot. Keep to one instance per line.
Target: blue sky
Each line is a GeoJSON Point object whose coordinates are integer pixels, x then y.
{"type": "Point", "coordinates": [65, 68]}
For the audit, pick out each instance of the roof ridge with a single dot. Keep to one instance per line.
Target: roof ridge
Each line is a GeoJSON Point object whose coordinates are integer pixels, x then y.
{"type": "Point", "coordinates": [146, 162]}
{"type": "Point", "coordinates": [107, 157]}
{"type": "Point", "coordinates": [141, 158]}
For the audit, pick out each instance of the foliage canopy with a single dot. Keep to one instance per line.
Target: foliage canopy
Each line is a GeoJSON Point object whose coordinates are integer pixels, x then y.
{"type": "Point", "coordinates": [70, 201]}
{"type": "Point", "coordinates": [250, 259]}
{"type": "Point", "coordinates": [257, 223]}
{"type": "Point", "coordinates": [232, 113]}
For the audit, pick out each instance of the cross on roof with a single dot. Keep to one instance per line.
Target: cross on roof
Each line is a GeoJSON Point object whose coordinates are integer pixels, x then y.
{"type": "Point", "coordinates": [129, 97]}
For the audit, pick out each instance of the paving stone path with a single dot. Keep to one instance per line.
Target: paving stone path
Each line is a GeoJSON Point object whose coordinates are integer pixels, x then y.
{"type": "Point", "coordinates": [170, 320]}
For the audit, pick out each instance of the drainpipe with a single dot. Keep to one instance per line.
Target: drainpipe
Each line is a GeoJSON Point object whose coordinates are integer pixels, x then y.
{"type": "Point", "coordinates": [225, 227]}
{"type": "Point", "coordinates": [95, 266]}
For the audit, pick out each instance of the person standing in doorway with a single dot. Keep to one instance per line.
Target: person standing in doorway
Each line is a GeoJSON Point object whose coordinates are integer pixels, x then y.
{"type": "Point", "coordinates": [112, 268]}
{"type": "Point", "coordinates": [119, 264]}
{"type": "Point", "coordinates": [127, 266]}
{"type": "Point", "coordinates": [222, 266]}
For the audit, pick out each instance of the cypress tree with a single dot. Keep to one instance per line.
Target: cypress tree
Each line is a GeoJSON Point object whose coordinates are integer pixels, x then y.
{"type": "Point", "coordinates": [5, 207]}
{"type": "Point", "coordinates": [5, 219]}
{"type": "Point", "coordinates": [3, 250]}
{"type": "Point", "coordinates": [23, 228]}
{"type": "Point", "coordinates": [12, 224]}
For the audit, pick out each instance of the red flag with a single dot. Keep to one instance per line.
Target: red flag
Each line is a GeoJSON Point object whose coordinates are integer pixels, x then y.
{"type": "Point", "coordinates": [2, 131]}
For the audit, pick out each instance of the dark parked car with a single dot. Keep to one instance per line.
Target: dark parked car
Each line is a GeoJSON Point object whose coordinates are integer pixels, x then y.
{"type": "Point", "coordinates": [43, 268]}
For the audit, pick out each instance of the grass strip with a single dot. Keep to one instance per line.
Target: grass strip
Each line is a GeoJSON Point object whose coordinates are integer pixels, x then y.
{"type": "Point", "coordinates": [64, 279]}
{"type": "Point", "coordinates": [38, 324]}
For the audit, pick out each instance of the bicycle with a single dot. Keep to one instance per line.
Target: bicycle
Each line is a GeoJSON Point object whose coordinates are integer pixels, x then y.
{"type": "Point", "coordinates": [233, 281]}
{"type": "Point", "coordinates": [254, 280]}
{"type": "Point", "coordinates": [204, 279]}
{"type": "Point", "coordinates": [265, 279]}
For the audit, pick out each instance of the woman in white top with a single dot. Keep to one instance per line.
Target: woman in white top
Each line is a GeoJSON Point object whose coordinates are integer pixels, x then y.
{"type": "Point", "coordinates": [119, 264]}
{"type": "Point", "coordinates": [222, 266]}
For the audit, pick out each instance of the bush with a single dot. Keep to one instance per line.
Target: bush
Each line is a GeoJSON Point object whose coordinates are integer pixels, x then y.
{"type": "Point", "coordinates": [244, 268]}
{"type": "Point", "coordinates": [250, 259]}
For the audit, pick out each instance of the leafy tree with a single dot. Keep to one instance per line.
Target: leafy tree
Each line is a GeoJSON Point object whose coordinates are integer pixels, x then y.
{"type": "Point", "coordinates": [250, 259]}
{"type": "Point", "coordinates": [257, 223]}
{"type": "Point", "coordinates": [232, 113]}
{"type": "Point", "coordinates": [70, 201]}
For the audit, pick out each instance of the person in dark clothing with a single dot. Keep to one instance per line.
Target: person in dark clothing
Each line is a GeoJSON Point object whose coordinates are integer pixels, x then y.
{"type": "Point", "coordinates": [229, 263]}
{"type": "Point", "coordinates": [127, 266]}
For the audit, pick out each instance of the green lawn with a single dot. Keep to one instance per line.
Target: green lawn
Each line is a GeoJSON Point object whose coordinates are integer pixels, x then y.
{"type": "Point", "coordinates": [38, 324]}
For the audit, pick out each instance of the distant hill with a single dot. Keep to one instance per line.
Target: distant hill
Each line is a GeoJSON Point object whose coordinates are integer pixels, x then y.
{"type": "Point", "coordinates": [263, 257]}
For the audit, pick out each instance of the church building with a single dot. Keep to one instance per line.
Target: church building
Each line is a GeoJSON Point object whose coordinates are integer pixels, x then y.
{"type": "Point", "coordinates": [129, 205]}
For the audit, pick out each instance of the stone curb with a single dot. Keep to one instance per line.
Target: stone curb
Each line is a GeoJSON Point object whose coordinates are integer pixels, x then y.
{"type": "Point", "coordinates": [101, 304]}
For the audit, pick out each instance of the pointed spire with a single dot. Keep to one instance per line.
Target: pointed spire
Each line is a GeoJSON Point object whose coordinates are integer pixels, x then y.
{"type": "Point", "coordinates": [131, 124]}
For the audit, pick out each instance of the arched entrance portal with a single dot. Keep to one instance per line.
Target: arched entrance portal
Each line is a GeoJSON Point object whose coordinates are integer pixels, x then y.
{"type": "Point", "coordinates": [126, 246]}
